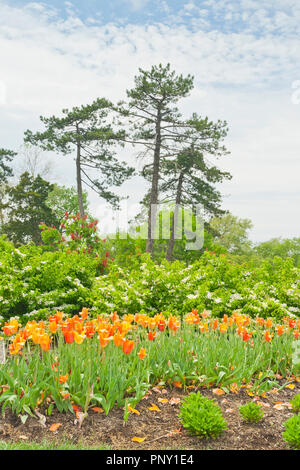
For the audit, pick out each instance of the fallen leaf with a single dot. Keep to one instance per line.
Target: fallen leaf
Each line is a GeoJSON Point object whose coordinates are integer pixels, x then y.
{"type": "Point", "coordinates": [177, 384]}
{"type": "Point", "coordinates": [279, 406]}
{"type": "Point", "coordinates": [54, 427]}
{"type": "Point", "coordinates": [133, 410]}
{"type": "Point", "coordinates": [163, 400]}
{"type": "Point", "coordinates": [218, 391]}
{"type": "Point", "coordinates": [290, 386]}
{"type": "Point", "coordinates": [138, 439]}
{"type": "Point", "coordinates": [175, 431]}
{"type": "Point", "coordinates": [250, 394]}
{"type": "Point", "coordinates": [229, 410]}
{"type": "Point", "coordinates": [156, 389]}
{"type": "Point", "coordinates": [175, 401]}
{"type": "Point", "coordinates": [265, 405]}
{"type": "Point", "coordinates": [234, 387]}
{"type": "Point", "coordinates": [23, 437]}
{"type": "Point", "coordinates": [154, 408]}
{"type": "Point", "coordinates": [96, 409]}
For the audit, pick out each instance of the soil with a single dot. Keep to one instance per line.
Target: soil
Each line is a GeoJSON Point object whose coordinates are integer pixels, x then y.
{"type": "Point", "coordinates": [156, 426]}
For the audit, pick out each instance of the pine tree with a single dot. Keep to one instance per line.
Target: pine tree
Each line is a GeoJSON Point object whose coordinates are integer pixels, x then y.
{"type": "Point", "coordinates": [26, 208]}
{"type": "Point", "coordinates": [87, 130]}
{"type": "Point", "coordinates": [189, 181]}
{"type": "Point", "coordinates": [6, 156]}
{"type": "Point", "coordinates": [156, 123]}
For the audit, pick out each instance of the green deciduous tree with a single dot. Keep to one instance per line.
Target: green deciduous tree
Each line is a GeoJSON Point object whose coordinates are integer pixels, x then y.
{"type": "Point", "coordinates": [232, 233]}
{"type": "Point", "coordinates": [88, 130]}
{"type": "Point", "coordinates": [63, 199]}
{"type": "Point", "coordinates": [284, 248]}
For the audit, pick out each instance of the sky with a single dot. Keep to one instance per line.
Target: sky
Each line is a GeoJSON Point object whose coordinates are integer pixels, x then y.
{"type": "Point", "coordinates": [243, 54]}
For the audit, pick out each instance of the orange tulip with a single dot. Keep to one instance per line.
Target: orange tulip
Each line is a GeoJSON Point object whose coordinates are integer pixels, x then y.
{"type": "Point", "coordinates": [280, 330]}
{"type": "Point", "coordinates": [151, 335]}
{"type": "Point", "coordinates": [246, 336]}
{"type": "Point", "coordinates": [162, 325]}
{"type": "Point", "coordinates": [11, 327]}
{"type": "Point", "coordinates": [53, 326]}
{"type": "Point", "coordinates": [69, 337]}
{"type": "Point", "coordinates": [260, 321]}
{"type": "Point", "coordinates": [63, 378]}
{"type": "Point", "coordinates": [78, 338]}
{"type": "Point", "coordinates": [104, 338]}
{"type": "Point", "coordinates": [114, 316]}
{"type": "Point", "coordinates": [142, 353]}
{"type": "Point", "coordinates": [203, 327]}
{"type": "Point", "coordinates": [128, 346]}
{"type": "Point", "coordinates": [223, 327]}
{"type": "Point", "coordinates": [268, 336]}
{"type": "Point", "coordinates": [269, 323]}
{"type": "Point", "coordinates": [118, 339]}
{"type": "Point", "coordinates": [173, 323]}
{"type": "Point", "coordinates": [45, 342]}
{"type": "Point", "coordinates": [84, 313]}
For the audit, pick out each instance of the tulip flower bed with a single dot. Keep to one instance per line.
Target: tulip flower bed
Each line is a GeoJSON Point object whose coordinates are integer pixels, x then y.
{"type": "Point", "coordinates": [75, 364]}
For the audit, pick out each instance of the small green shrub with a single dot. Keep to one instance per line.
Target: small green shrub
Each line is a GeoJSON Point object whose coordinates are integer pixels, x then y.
{"type": "Point", "coordinates": [251, 412]}
{"type": "Point", "coordinates": [296, 403]}
{"type": "Point", "coordinates": [202, 416]}
{"type": "Point", "coordinates": [292, 431]}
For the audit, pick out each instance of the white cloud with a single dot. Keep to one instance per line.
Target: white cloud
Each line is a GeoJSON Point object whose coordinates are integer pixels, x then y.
{"type": "Point", "coordinates": [48, 64]}
{"type": "Point", "coordinates": [137, 4]}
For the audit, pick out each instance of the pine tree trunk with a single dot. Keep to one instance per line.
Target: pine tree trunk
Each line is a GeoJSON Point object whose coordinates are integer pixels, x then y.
{"type": "Point", "coordinates": [78, 176]}
{"type": "Point", "coordinates": [169, 254]}
{"type": "Point", "coordinates": [154, 187]}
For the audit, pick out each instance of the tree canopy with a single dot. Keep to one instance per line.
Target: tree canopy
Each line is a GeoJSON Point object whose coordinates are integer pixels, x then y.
{"type": "Point", "coordinates": [25, 208]}
{"type": "Point", "coordinates": [88, 130]}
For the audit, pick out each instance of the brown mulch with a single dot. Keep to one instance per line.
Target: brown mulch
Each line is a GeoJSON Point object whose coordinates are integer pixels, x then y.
{"type": "Point", "coordinates": [98, 429]}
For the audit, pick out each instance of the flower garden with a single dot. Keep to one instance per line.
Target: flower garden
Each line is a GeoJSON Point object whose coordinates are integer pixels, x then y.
{"type": "Point", "coordinates": [81, 365]}
{"type": "Point", "coordinates": [148, 355]}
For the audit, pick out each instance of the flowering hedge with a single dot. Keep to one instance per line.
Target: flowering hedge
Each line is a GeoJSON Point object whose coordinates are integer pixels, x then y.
{"type": "Point", "coordinates": [212, 283]}
{"type": "Point", "coordinates": [34, 281]}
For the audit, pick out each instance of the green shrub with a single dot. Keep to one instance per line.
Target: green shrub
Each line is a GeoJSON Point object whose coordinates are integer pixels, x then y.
{"type": "Point", "coordinates": [212, 283]}
{"type": "Point", "coordinates": [251, 412]}
{"type": "Point", "coordinates": [292, 431]}
{"type": "Point", "coordinates": [296, 403]}
{"type": "Point", "coordinates": [33, 278]}
{"type": "Point", "coordinates": [202, 416]}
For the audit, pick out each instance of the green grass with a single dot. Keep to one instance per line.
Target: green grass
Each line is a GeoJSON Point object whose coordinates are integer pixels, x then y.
{"type": "Point", "coordinates": [44, 445]}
